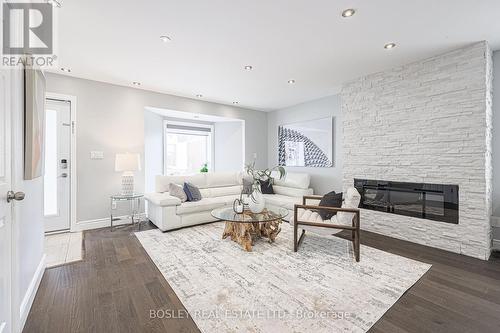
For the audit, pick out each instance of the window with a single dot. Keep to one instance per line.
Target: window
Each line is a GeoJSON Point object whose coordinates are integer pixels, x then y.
{"type": "Point", "coordinates": [188, 147]}
{"type": "Point", "coordinates": [50, 177]}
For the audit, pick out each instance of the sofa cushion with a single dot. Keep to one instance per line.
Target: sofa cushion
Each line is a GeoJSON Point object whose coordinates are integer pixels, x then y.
{"type": "Point", "coordinates": [295, 180]}
{"type": "Point", "coordinates": [331, 199]}
{"type": "Point", "coordinates": [205, 204]}
{"type": "Point", "coordinates": [177, 191]}
{"type": "Point", "coordinates": [162, 199]}
{"type": "Point", "coordinates": [306, 215]}
{"type": "Point", "coordinates": [227, 200]}
{"type": "Point", "coordinates": [192, 192]}
{"type": "Point", "coordinates": [282, 200]}
{"type": "Point", "coordinates": [292, 192]}
{"type": "Point", "coordinates": [247, 185]}
{"type": "Point", "coordinates": [266, 187]}
{"type": "Point", "coordinates": [223, 191]}
{"type": "Point", "coordinates": [352, 199]}
{"type": "Point", "coordinates": [222, 179]}
{"type": "Point", "coordinates": [162, 182]}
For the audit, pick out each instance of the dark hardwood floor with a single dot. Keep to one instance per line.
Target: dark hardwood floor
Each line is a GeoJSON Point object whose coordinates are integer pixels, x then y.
{"type": "Point", "coordinates": [116, 285]}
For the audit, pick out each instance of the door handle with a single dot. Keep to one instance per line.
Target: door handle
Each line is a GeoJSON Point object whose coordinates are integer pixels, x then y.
{"type": "Point", "coordinates": [18, 196]}
{"type": "Point", "coordinates": [64, 175]}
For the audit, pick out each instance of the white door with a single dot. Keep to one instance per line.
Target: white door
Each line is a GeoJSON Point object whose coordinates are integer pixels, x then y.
{"type": "Point", "coordinates": [57, 170]}
{"type": "Point", "coordinates": [5, 207]}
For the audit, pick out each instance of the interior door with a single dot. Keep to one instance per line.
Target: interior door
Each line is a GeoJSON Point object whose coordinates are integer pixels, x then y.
{"type": "Point", "coordinates": [57, 171]}
{"type": "Point", "coordinates": [5, 207]}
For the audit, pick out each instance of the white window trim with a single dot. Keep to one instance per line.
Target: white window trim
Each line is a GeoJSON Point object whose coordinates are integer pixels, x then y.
{"type": "Point", "coordinates": [189, 124]}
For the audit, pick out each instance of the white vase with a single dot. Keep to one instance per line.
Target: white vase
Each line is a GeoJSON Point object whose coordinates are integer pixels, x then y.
{"type": "Point", "coordinates": [257, 202]}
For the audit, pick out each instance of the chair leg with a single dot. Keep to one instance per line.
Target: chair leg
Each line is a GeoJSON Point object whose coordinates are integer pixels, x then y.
{"type": "Point", "coordinates": [295, 236]}
{"type": "Point", "coordinates": [356, 244]}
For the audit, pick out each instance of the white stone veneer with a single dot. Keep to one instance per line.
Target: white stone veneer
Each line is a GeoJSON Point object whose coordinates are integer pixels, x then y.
{"type": "Point", "coordinates": [428, 121]}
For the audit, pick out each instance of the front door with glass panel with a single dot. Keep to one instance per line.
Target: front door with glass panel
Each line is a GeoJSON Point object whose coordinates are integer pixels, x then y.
{"type": "Point", "coordinates": [57, 171]}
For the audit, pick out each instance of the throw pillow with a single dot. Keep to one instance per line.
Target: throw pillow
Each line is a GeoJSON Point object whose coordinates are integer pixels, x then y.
{"type": "Point", "coordinates": [331, 199]}
{"type": "Point", "coordinates": [266, 187]}
{"type": "Point", "coordinates": [177, 191]}
{"type": "Point", "coordinates": [247, 185]}
{"type": "Point", "coordinates": [192, 192]}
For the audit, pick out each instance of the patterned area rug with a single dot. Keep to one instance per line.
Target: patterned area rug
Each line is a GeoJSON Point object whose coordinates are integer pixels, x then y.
{"type": "Point", "coordinates": [272, 289]}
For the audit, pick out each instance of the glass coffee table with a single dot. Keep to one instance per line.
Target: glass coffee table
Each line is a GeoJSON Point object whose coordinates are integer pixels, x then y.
{"type": "Point", "coordinates": [245, 228]}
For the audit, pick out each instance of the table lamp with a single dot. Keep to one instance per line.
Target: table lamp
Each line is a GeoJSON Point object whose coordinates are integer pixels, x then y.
{"type": "Point", "coordinates": [127, 163]}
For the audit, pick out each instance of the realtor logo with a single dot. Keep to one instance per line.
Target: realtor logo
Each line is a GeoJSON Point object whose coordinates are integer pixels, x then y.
{"type": "Point", "coordinates": [34, 20]}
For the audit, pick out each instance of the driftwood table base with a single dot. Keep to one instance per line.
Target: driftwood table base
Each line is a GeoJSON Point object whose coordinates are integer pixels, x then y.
{"type": "Point", "coordinates": [245, 233]}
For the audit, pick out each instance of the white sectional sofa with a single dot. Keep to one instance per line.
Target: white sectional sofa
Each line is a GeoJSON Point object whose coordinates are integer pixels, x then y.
{"type": "Point", "coordinates": [218, 190]}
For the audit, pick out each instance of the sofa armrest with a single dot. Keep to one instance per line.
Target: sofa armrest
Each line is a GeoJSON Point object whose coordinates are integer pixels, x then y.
{"type": "Point", "coordinates": [162, 199]}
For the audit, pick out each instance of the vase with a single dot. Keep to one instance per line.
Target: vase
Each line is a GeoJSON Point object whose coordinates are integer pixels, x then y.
{"type": "Point", "coordinates": [257, 202]}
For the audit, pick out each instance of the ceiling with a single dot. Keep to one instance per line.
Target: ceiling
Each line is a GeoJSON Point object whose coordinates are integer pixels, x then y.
{"type": "Point", "coordinates": [308, 41]}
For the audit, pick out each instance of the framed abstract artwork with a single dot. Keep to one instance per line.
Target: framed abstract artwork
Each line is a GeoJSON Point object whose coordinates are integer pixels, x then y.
{"type": "Point", "coordinates": [34, 123]}
{"type": "Point", "coordinates": [306, 143]}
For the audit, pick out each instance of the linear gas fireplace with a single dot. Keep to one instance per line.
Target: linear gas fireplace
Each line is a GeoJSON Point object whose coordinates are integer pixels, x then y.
{"type": "Point", "coordinates": [436, 202]}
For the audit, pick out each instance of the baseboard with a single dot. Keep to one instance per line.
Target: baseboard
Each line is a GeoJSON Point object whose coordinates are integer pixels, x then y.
{"type": "Point", "coordinates": [495, 221]}
{"type": "Point", "coordinates": [103, 223]}
{"type": "Point", "coordinates": [29, 297]}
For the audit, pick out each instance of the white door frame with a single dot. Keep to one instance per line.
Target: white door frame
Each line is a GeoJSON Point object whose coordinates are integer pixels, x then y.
{"type": "Point", "coordinates": [72, 165]}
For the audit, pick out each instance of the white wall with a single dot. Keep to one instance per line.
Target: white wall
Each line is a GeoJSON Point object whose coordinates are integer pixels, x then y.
{"type": "Point", "coordinates": [153, 148]}
{"type": "Point", "coordinates": [110, 118]}
{"type": "Point", "coordinates": [229, 146]}
{"type": "Point", "coordinates": [323, 180]}
{"type": "Point", "coordinates": [430, 122]}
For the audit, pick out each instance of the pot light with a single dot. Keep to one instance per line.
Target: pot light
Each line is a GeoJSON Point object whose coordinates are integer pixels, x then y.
{"type": "Point", "coordinates": [165, 39]}
{"type": "Point", "coordinates": [248, 68]}
{"type": "Point", "coordinates": [348, 12]}
{"type": "Point", "coordinates": [54, 3]}
{"type": "Point", "coordinates": [291, 81]}
{"type": "Point", "coordinates": [389, 46]}
{"type": "Point", "coordinates": [199, 95]}
{"type": "Point", "coordinates": [135, 83]}
{"type": "Point", "coordinates": [65, 69]}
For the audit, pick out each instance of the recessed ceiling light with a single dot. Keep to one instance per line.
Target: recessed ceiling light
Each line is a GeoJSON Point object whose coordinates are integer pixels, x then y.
{"type": "Point", "coordinates": [135, 83]}
{"type": "Point", "coordinates": [248, 67]}
{"type": "Point", "coordinates": [65, 69]}
{"type": "Point", "coordinates": [199, 95]}
{"type": "Point", "coordinates": [55, 3]}
{"type": "Point", "coordinates": [291, 81]}
{"type": "Point", "coordinates": [165, 39]}
{"type": "Point", "coordinates": [389, 46]}
{"type": "Point", "coordinates": [348, 12]}
{"type": "Point", "coordinates": [236, 103]}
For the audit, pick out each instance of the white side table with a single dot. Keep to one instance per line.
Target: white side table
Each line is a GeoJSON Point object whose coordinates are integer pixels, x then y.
{"type": "Point", "coordinates": [135, 207]}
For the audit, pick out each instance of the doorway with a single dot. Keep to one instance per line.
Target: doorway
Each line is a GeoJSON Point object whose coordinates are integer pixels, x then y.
{"type": "Point", "coordinates": [57, 177]}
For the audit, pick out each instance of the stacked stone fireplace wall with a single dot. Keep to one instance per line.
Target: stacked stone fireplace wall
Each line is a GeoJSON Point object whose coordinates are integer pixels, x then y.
{"type": "Point", "coordinates": [429, 121]}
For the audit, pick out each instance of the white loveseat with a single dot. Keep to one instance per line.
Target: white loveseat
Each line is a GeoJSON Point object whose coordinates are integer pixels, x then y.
{"type": "Point", "coordinates": [218, 190]}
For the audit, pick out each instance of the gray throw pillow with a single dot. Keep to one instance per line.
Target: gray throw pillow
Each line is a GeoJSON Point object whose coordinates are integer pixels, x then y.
{"type": "Point", "coordinates": [177, 191]}
{"type": "Point", "coordinates": [247, 185]}
{"type": "Point", "coordinates": [192, 192]}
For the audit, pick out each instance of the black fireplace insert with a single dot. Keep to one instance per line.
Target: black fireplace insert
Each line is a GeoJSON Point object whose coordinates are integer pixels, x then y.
{"type": "Point", "coordinates": [436, 202]}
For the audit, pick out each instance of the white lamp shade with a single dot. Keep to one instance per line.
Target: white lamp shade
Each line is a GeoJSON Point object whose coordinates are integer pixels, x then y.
{"type": "Point", "coordinates": [127, 162]}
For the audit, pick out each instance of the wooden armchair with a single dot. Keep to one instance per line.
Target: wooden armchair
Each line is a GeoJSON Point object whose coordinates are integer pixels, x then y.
{"type": "Point", "coordinates": [354, 227]}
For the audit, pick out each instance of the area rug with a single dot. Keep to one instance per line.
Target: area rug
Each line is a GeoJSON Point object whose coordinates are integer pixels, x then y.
{"type": "Point", "coordinates": [320, 288]}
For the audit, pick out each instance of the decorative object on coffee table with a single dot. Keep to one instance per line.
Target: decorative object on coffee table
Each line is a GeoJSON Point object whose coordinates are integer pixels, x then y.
{"type": "Point", "coordinates": [260, 177]}
{"type": "Point", "coordinates": [247, 227]}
